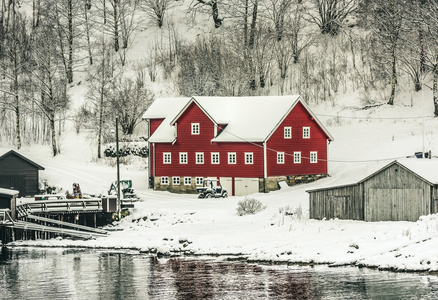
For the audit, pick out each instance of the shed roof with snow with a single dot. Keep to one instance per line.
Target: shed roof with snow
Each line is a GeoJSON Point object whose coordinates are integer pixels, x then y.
{"type": "Point", "coordinates": [402, 190]}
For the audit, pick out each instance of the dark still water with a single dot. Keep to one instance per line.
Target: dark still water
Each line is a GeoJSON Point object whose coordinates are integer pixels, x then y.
{"type": "Point", "coordinates": [32, 273]}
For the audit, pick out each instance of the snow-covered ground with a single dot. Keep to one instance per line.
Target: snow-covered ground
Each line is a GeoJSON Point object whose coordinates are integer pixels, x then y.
{"type": "Point", "coordinates": [167, 223]}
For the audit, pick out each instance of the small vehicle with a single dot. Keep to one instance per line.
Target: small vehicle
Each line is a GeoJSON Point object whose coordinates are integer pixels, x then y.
{"type": "Point", "coordinates": [211, 188]}
{"type": "Point", "coordinates": [127, 192]}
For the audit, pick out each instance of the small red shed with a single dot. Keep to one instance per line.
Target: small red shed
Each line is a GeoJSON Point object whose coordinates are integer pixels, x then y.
{"type": "Point", "coordinates": [249, 143]}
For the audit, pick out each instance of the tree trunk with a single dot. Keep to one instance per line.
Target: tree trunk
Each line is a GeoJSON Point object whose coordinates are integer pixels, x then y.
{"type": "Point", "coordinates": [70, 42]}
{"type": "Point", "coordinates": [251, 46]}
{"type": "Point", "coordinates": [52, 129]}
{"type": "Point", "coordinates": [394, 78]}
{"type": "Point", "coordinates": [435, 88]}
{"type": "Point", "coordinates": [116, 26]}
{"type": "Point", "coordinates": [17, 102]}
{"type": "Point", "coordinates": [216, 19]}
{"type": "Point", "coordinates": [87, 31]}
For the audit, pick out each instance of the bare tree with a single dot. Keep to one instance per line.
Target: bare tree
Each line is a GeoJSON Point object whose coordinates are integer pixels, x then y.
{"type": "Point", "coordinates": [49, 78]}
{"type": "Point", "coordinates": [298, 34]}
{"type": "Point", "coordinates": [210, 7]}
{"type": "Point", "coordinates": [15, 66]}
{"type": "Point", "coordinates": [430, 43]}
{"type": "Point", "coordinates": [101, 75]}
{"type": "Point", "coordinates": [330, 14]}
{"type": "Point", "coordinates": [156, 9]}
{"type": "Point", "coordinates": [129, 99]}
{"type": "Point", "coordinates": [388, 25]}
{"type": "Point", "coordinates": [278, 11]}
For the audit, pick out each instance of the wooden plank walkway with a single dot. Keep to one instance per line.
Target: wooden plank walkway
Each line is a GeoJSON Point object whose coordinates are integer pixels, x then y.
{"type": "Point", "coordinates": [42, 228]}
{"type": "Point", "coordinates": [67, 224]}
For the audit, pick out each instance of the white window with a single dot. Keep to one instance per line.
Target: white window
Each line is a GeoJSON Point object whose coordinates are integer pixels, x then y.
{"type": "Point", "coordinates": [195, 128]}
{"type": "Point", "coordinates": [199, 180]}
{"type": "Point", "coordinates": [167, 158]}
{"type": "Point", "coordinates": [280, 157]}
{"type": "Point", "coordinates": [313, 157]}
{"type": "Point", "coordinates": [183, 157]}
{"type": "Point", "coordinates": [187, 180]}
{"type": "Point", "coordinates": [175, 180]}
{"type": "Point", "coordinates": [232, 158]}
{"type": "Point", "coordinates": [215, 158]}
{"type": "Point", "coordinates": [287, 132]}
{"type": "Point", "coordinates": [306, 132]}
{"type": "Point", "coordinates": [297, 157]}
{"type": "Point", "coordinates": [199, 157]}
{"type": "Point", "coordinates": [164, 180]}
{"type": "Point", "coordinates": [249, 158]}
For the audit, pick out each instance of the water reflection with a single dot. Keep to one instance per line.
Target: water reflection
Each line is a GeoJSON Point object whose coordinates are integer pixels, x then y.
{"type": "Point", "coordinates": [86, 274]}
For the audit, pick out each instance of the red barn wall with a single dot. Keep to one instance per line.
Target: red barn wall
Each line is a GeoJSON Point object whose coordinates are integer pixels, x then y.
{"type": "Point", "coordinates": [298, 118]}
{"type": "Point", "coordinates": [186, 142]}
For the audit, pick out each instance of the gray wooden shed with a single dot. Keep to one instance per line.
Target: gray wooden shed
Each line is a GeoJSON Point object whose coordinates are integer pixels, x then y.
{"type": "Point", "coordinates": [400, 191]}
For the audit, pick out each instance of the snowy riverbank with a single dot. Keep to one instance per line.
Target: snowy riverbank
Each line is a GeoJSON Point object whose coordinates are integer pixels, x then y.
{"type": "Point", "coordinates": [171, 224]}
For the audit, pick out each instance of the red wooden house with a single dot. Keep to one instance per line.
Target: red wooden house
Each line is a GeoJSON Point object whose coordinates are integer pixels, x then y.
{"type": "Point", "coordinates": [249, 143]}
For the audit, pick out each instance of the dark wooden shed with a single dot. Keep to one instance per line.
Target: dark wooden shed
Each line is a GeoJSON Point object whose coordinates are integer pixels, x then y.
{"type": "Point", "coordinates": [19, 173]}
{"type": "Point", "coordinates": [400, 191]}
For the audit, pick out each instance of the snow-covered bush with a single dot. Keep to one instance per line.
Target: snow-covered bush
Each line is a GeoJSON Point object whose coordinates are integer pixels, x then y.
{"type": "Point", "coordinates": [249, 206]}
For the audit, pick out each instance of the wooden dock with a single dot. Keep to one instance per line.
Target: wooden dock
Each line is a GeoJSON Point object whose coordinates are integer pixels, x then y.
{"type": "Point", "coordinates": [59, 217]}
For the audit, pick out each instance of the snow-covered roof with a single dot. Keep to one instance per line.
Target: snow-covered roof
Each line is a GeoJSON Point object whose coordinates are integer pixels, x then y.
{"type": "Point", "coordinates": [248, 118]}
{"type": "Point", "coordinates": [166, 108]}
{"type": "Point", "coordinates": [8, 192]}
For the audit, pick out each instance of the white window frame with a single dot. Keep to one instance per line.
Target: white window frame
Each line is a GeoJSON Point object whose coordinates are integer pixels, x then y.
{"type": "Point", "coordinates": [176, 180]}
{"type": "Point", "coordinates": [187, 180]}
{"type": "Point", "coordinates": [164, 180]}
{"type": "Point", "coordinates": [313, 157]}
{"type": "Point", "coordinates": [306, 132]}
{"type": "Point", "coordinates": [199, 180]}
{"type": "Point", "coordinates": [183, 158]}
{"type": "Point", "coordinates": [199, 158]}
{"type": "Point", "coordinates": [249, 158]}
{"type": "Point", "coordinates": [297, 157]}
{"type": "Point", "coordinates": [167, 158]}
{"type": "Point", "coordinates": [287, 132]}
{"type": "Point", "coordinates": [280, 158]}
{"type": "Point", "coordinates": [213, 158]}
{"type": "Point", "coordinates": [196, 129]}
{"type": "Point", "coordinates": [232, 158]}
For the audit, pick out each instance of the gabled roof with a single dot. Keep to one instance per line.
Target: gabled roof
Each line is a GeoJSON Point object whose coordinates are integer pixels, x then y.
{"type": "Point", "coordinates": [426, 169]}
{"type": "Point", "coordinates": [12, 152]}
{"type": "Point", "coordinates": [248, 118]}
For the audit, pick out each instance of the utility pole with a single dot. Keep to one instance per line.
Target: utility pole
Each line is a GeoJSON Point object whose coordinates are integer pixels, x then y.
{"type": "Point", "coordinates": [119, 201]}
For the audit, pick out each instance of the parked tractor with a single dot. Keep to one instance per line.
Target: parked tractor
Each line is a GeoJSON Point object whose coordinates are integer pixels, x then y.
{"type": "Point", "coordinates": [211, 188]}
{"type": "Point", "coordinates": [127, 192]}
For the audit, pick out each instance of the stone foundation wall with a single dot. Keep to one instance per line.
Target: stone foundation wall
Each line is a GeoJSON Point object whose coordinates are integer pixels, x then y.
{"type": "Point", "coordinates": [181, 188]}
{"type": "Point", "coordinates": [272, 182]}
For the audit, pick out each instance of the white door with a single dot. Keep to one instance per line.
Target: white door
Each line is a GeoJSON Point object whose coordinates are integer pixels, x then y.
{"type": "Point", "coordinates": [227, 184]}
{"type": "Point", "coordinates": [246, 186]}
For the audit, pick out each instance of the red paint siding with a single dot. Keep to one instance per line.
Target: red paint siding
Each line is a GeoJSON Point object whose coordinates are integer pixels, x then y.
{"type": "Point", "coordinates": [191, 144]}
{"type": "Point", "coordinates": [186, 142]}
{"type": "Point", "coordinates": [297, 119]}
{"type": "Point", "coordinates": [153, 125]}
